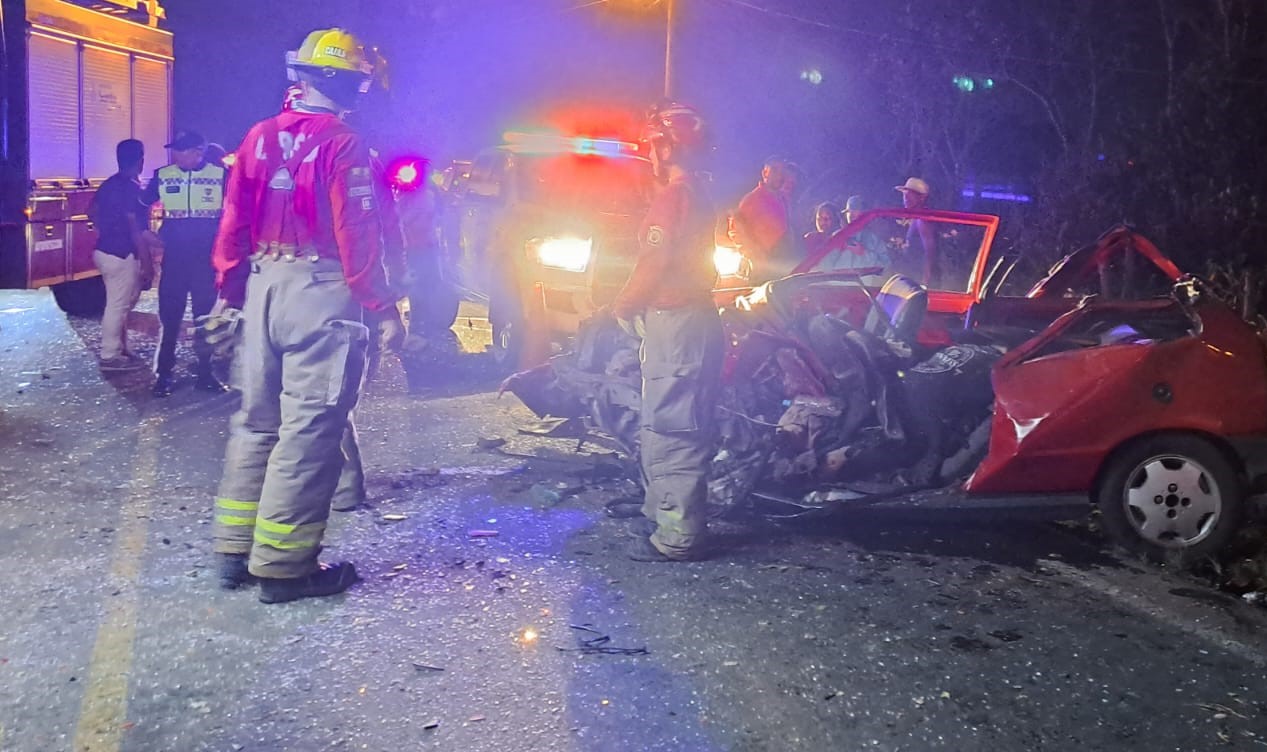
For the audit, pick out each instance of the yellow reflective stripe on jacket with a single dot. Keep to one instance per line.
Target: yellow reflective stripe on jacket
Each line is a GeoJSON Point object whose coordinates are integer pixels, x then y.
{"type": "Point", "coordinates": [231, 521]}
{"type": "Point", "coordinates": [281, 544]}
{"type": "Point", "coordinates": [198, 194]}
{"type": "Point", "coordinates": [237, 506]}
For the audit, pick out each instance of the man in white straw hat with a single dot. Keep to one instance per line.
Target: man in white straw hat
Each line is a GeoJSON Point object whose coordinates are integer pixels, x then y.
{"type": "Point", "coordinates": [918, 259]}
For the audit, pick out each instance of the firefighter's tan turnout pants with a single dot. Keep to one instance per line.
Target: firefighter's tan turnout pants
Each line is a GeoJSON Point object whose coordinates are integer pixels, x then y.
{"type": "Point", "coordinates": [349, 492]}
{"type": "Point", "coordinates": [681, 370]}
{"type": "Point", "coordinates": [302, 357]}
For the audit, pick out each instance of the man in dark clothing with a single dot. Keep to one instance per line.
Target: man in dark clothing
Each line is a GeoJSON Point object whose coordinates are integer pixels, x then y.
{"type": "Point", "coordinates": [671, 289]}
{"type": "Point", "coordinates": [192, 194]}
{"type": "Point", "coordinates": [122, 253]}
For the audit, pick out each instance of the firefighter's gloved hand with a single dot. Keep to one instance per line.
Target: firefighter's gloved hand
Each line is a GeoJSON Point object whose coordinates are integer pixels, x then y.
{"type": "Point", "coordinates": [221, 329]}
{"type": "Point", "coordinates": [391, 331]}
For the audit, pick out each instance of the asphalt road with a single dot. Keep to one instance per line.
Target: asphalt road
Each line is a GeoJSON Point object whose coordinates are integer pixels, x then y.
{"type": "Point", "coordinates": [909, 628]}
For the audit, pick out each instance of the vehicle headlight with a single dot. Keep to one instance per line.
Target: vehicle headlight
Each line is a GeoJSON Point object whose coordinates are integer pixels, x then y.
{"type": "Point", "coordinates": [729, 262]}
{"type": "Point", "coordinates": [569, 254]}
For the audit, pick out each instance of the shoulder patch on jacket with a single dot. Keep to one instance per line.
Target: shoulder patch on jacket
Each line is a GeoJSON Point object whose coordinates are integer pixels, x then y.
{"type": "Point", "coordinates": [655, 236]}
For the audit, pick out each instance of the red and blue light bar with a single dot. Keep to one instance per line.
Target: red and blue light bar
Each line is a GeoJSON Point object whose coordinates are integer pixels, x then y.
{"type": "Point", "coordinates": [551, 143]}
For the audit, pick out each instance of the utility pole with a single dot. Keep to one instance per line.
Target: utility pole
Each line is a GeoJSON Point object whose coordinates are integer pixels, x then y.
{"type": "Point", "coordinates": [668, 49]}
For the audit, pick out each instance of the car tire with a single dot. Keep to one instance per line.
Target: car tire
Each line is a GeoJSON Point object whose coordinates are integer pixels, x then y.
{"type": "Point", "coordinates": [1171, 498]}
{"type": "Point", "coordinates": [82, 298]}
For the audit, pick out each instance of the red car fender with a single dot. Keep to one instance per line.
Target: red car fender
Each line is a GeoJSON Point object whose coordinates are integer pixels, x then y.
{"type": "Point", "coordinates": [1058, 417]}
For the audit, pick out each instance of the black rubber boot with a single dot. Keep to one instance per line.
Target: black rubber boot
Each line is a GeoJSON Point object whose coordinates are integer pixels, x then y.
{"type": "Point", "coordinates": [207, 380]}
{"type": "Point", "coordinates": [346, 504]}
{"type": "Point", "coordinates": [162, 386]}
{"type": "Point", "coordinates": [231, 568]}
{"type": "Point", "coordinates": [642, 549]}
{"type": "Point", "coordinates": [330, 579]}
{"type": "Point", "coordinates": [641, 528]}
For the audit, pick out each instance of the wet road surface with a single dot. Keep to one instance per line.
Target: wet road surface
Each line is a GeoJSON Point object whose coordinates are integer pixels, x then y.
{"type": "Point", "coordinates": [498, 611]}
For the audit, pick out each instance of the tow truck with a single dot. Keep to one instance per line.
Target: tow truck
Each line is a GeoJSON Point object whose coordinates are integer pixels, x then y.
{"type": "Point", "coordinates": [79, 76]}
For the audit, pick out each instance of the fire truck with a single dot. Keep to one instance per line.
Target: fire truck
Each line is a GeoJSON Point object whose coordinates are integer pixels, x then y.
{"type": "Point", "coordinates": [78, 77]}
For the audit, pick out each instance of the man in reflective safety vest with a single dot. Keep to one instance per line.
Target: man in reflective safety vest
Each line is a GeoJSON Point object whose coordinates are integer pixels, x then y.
{"type": "Point", "coordinates": [191, 191]}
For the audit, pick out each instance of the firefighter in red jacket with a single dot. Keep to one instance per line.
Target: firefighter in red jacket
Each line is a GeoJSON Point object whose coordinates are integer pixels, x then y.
{"type": "Point", "coordinates": [670, 289]}
{"type": "Point", "coordinates": [300, 252]}
{"type": "Point", "coordinates": [349, 492]}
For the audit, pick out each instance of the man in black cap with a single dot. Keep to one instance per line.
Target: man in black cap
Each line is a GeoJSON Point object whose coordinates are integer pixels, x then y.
{"type": "Point", "coordinates": [192, 194]}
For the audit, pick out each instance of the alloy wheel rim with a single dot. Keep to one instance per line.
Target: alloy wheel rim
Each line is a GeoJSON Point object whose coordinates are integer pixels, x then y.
{"type": "Point", "coordinates": [1172, 501]}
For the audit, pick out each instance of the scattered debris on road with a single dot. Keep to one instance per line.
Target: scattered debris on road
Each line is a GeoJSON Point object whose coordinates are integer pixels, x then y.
{"type": "Point", "coordinates": [599, 644]}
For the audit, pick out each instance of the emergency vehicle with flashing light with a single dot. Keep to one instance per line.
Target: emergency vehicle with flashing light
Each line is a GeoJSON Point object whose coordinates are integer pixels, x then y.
{"type": "Point", "coordinates": [543, 228]}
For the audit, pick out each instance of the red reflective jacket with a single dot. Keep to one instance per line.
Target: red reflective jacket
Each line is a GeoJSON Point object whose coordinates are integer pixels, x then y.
{"type": "Point", "coordinates": [675, 252]}
{"type": "Point", "coordinates": [328, 206]}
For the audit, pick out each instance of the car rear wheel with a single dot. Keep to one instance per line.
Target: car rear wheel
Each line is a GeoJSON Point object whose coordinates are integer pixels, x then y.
{"type": "Point", "coordinates": [1172, 498]}
{"type": "Point", "coordinates": [85, 298]}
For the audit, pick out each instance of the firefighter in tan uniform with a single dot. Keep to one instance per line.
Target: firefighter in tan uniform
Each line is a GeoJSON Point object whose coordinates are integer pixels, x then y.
{"type": "Point", "coordinates": [300, 253]}
{"type": "Point", "coordinates": [670, 289]}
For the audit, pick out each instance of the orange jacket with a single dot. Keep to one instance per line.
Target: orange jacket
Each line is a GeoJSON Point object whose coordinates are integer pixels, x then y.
{"type": "Point", "coordinates": [329, 206]}
{"type": "Point", "coordinates": [761, 223]}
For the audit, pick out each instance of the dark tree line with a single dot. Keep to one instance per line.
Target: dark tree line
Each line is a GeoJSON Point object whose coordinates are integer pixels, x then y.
{"type": "Point", "coordinates": [1145, 111]}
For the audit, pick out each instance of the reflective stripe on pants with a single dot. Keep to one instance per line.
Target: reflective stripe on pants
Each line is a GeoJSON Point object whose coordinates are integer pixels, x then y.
{"type": "Point", "coordinates": [301, 360]}
{"type": "Point", "coordinates": [681, 370]}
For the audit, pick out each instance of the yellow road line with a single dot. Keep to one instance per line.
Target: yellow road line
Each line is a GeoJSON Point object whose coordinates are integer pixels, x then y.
{"type": "Point", "coordinates": [103, 710]}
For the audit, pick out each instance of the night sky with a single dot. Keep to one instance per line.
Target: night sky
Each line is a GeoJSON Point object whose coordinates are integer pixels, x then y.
{"type": "Point", "coordinates": [465, 71]}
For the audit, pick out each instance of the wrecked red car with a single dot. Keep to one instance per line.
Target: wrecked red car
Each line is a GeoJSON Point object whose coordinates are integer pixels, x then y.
{"type": "Point", "coordinates": [1115, 376]}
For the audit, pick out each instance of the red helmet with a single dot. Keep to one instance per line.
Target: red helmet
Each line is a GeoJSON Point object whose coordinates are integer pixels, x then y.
{"type": "Point", "coordinates": [681, 124]}
{"type": "Point", "coordinates": [293, 94]}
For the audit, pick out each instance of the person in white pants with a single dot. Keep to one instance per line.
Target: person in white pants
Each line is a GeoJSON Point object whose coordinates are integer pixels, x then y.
{"type": "Point", "coordinates": [121, 255]}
